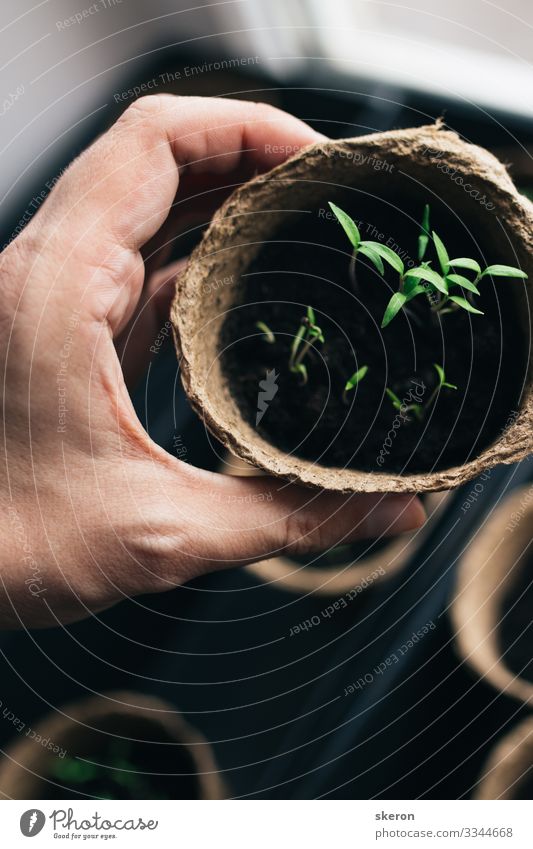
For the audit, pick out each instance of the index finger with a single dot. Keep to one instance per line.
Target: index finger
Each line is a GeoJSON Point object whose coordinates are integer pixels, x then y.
{"type": "Point", "coordinates": [124, 185]}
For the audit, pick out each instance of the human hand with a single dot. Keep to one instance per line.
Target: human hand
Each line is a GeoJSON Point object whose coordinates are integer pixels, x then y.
{"type": "Point", "coordinates": [92, 510]}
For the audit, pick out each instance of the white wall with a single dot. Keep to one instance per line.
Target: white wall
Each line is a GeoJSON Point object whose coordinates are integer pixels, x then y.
{"type": "Point", "coordinates": [53, 75]}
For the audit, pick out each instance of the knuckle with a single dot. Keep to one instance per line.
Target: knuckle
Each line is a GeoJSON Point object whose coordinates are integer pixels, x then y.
{"type": "Point", "coordinates": [266, 110]}
{"type": "Point", "coordinates": [303, 532]}
{"type": "Point", "coordinates": [146, 108]}
{"type": "Point", "coordinates": [165, 559]}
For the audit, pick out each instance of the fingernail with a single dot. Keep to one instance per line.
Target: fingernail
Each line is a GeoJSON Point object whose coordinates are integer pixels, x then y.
{"type": "Point", "coordinates": [395, 515]}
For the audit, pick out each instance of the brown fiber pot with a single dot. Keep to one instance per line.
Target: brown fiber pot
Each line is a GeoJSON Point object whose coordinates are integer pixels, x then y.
{"type": "Point", "coordinates": [259, 209]}
{"type": "Point", "coordinates": [489, 568]}
{"type": "Point", "coordinates": [84, 728]}
{"type": "Point", "coordinates": [509, 765]}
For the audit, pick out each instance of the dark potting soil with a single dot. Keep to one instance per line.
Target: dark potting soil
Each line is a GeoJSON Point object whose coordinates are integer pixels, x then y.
{"type": "Point", "coordinates": [307, 264]}
{"type": "Point", "coordinates": [516, 630]}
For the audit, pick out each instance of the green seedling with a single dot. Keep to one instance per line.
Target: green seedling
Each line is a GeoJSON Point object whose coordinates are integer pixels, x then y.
{"type": "Point", "coordinates": [416, 409]}
{"type": "Point", "coordinates": [118, 774]}
{"type": "Point", "coordinates": [420, 410]}
{"type": "Point", "coordinates": [374, 251]}
{"type": "Point", "coordinates": [446, 290]}
{"type": "Point", "coordinates": [352, 382]}
{"type": "Point", "coordinates": [442, 384]}
{"type": "Point", "coordinates": [266, 331]}
{"type": "Point", "coordinates": [423, 239]}
{"type": "Point", "coordinates": [309, 333]}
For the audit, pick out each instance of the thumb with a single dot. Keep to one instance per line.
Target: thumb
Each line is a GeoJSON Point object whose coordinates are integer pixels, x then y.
{"type": "Point", "coordinates": [220, 521]}
{"type": "Point", "coordinates": [262, 517]}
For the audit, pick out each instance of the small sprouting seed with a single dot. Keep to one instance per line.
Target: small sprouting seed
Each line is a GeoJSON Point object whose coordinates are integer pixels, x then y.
{"type": "Point", "coordinates": [405, 408]}
{"type": "Point", "coordinates": [308, 333]}
{"type": "Point", "coordinates": [348, 224]}
{"type": "Point", "coordinates": [265, 329]}
{"type": "Point", "coordinates": [356, 378]}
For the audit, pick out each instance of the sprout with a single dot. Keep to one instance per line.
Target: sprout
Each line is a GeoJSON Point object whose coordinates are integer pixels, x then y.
{"type": "Point", "coordinates": [308, 334]}
{"type": "Point", "coordinates": [374, 251]}
{"type": "Point", "coordinates": [352, 382]}
{"type": "Point", "coordinates": [423, 239]}
{"type": "Point", "coordinates": [442, 384]}
{"type": "Point", "coordinates": [420, 410]}
{"type": "Point", "coordinates": [402, 407]}
{"type": "Point", "coordinates": [265, 329]}
{"type": "Point", "coordinates": [439, 286]}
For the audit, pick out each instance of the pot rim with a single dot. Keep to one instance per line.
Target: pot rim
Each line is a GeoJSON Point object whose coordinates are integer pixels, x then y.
{"type": "Point", "coordinates": [505, 764]}
{"type": "Point", "coordinates": [515, 440]}
{"type": "Point", "coordinates": [23, 757]}
{"type": "Point", "coordinates": [481, 586]}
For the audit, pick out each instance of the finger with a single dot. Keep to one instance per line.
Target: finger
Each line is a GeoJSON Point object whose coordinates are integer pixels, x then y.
{"type": "Point", "coordinates": [262, 517]}
{"type": "Point", "coordinates": [117, 195]}
{"type": "Point", "coordinates": [208, 522]}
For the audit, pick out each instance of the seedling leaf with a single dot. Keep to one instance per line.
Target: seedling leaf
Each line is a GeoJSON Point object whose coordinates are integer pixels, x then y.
{"type": "Point", "coordinates": [393, 307]}
{"type": "Point", "coordinates": [387, 254]}
{"type": "Point", "coordinates": [297, 341]}
{"type": "Point", "coordinates": [465, 262]}
{"type": "Point", "coordinates": [440, 372]}
{"type": "Point", "coordinates": [311, 316]}
{"type": "Point", "coordinates": [504, 271]}
{"type": "Point", "coordinates": [423, 239]}
{"type": "Point", "coordinates": [442, 378]}
{"type": "Point", "coordinates": [356, 378]}
{"type": "Point", "coordinates": [416, 290]}
{"type": "Point", "coordinates": [396, 403]}
{"type": "Point", "coordinates": [301, 369]}
{"type": "Point", "coordinates": [423, 273]}
{"type": "Point", "coordinates": [315, 332]}
{"type": "Point", "coordinates": [462, 302]}
{"type": "Point", "coordinates": [442, 253]}
{"type": "Point", "coordinates": [264, 328]}
{"type": "Point", "coordinates": [372, 256]}
{"type": "Point", "coordinates": [348, 224]}
{"type": "Point", "coordinates": [464, 282]}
